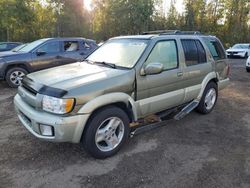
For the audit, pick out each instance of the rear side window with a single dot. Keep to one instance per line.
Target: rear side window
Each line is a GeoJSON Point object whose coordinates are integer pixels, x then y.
{"type": "Point", "coordinates": [89, 45]}
{"type": "Point", "coordinates": [215, 49]}
{"type": "Point", "coordinates": [201, 52]}
{"type": "Point", "coordinates": [164, 52]}
{"type": "Point", "coordinates": [190, 51]}
{"type": "Point", "coordinates": [194, 52]}
{"type": "Point", "coordinates": [71, 46]}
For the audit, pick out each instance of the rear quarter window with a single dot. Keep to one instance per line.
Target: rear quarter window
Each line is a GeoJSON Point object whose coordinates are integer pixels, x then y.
{"type": "Point", "coordinates": [215, 49]}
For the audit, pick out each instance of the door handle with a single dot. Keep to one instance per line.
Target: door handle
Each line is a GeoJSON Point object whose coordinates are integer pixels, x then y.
{"type": "Point", "coordinates": [180, 74]}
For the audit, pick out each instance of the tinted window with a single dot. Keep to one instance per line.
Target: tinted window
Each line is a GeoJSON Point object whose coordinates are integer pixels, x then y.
{"type": "Point", "coordinates": [201, 52]}
{"type": "Point", "coordinates": [164, 52]}
{"type": "Point", "coordinates": [50, 47]}
{"type": "Point", "coordinates": [215, 49]}
{"type": "Point", "coordinates": [11, 46]}
{"type": "Point", "coordinates": [71, 46]}
{"type": "Point", "coordinates": [89, 45]}
{"type": "Point", "coordinates": [191, 52]}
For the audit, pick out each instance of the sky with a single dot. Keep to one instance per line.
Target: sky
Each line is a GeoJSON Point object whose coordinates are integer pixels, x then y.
{"type": "Point", "coordinates": [166, 4]}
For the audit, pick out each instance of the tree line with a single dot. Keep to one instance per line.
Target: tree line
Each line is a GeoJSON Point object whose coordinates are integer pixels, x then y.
{"type": "Point", "coordinates": [28, 20]}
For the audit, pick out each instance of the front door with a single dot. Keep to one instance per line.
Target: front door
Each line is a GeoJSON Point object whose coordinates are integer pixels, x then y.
{"type": "Point", "coordinates": [164, 90]}
{"type": "Point", "coordinates": [46, 56]}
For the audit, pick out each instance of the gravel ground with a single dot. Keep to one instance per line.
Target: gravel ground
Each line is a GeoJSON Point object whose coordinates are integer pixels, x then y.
{"type": "Point", "coordinates": [198, 151]}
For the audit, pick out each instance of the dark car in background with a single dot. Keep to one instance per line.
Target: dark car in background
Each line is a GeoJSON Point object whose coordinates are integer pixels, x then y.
{"type": "Point", "coordinates": [43, 54]}
{"type": "Point", "coordinates": [7, 46]}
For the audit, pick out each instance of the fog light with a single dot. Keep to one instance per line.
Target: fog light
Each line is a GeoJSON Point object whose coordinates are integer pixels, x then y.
{"type": "Point", "coordinates": [46, 130]}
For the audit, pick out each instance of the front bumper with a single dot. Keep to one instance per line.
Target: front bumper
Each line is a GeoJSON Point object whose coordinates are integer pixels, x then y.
{"type": "Point", "coordinates": [66, 129]}
{"type": "Point", "coordinates": [236, 54]}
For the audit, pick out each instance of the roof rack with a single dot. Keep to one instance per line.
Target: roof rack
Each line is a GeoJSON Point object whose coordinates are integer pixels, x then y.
{"type": "Point", "coordinates": [160, 32]}
{"type": "Point", "coordinates": [172, 32]}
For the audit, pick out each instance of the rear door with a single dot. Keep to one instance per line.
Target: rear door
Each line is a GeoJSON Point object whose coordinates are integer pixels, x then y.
{"type": "Point", "coordinates": [196, 67]}
{"type": "Point", "coordinates": [71, 52]}
{"type": "Point", "coordinates": [87, 48]}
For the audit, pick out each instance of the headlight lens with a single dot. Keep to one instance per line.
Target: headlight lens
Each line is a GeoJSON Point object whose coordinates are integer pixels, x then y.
{"type": "Point", "coordinates": [56, 105]}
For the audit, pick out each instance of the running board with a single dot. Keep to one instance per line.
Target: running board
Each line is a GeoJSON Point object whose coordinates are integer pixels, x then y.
{"type": "Point", "coordinates": [140, 128]}
{"type": "Point", "coordinates": [186, 110]}
{"type": "Point", "coordinates": [145, 128]}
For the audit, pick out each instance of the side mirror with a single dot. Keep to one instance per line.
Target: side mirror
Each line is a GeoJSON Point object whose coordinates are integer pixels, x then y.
{"type": "Point", "coordinates": [152, 68]}
{"type": "Point", "coordinates": [40, 53]}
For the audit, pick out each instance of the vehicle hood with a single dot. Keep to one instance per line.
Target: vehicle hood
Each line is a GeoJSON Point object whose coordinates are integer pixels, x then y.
{"type": "Point", "coordinates": [236, 50]}
{"type": "Point", "coordinates": [79, 75]}
{"type": "Point", "coordinates": [11, 54]}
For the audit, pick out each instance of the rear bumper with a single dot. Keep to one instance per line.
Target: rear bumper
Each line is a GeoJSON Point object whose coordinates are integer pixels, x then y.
{"type": "Point", "coordinates": [66, 129]}
{"type": "Point", "coordinates": [223, 83]}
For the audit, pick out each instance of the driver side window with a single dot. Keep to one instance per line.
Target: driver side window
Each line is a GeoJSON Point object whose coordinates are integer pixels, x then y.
{"type": "Point", "coordinates": [50, 47]}
{"type": "Point", "coordinates": [164, 52]}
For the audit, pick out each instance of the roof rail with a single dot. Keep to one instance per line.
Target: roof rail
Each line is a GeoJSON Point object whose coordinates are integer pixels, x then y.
{"type": "Point", "coordinates": [160, 32]}
{"type": "Point", "coordinates": [189, 33]}
{"type": "Point", "coordinates": [172, 32]}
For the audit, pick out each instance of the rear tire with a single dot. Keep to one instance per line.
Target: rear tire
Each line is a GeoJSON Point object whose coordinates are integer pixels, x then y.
{"type": "Point", "coordinates": [106, 132]}
{"type": "Point", "coordinates": [14, 76]}
{"type": "Point", "coordinates": [209, 99]}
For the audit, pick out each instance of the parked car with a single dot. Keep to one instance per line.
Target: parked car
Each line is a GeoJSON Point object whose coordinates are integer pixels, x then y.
{"type": "Point", "coordinates": [248, 64]}
{"type": "Point", "coordinates": [42, 54]}
{"type": "Point", "coordinates": [239, 50]}
{"type": "Point", "coordinates": [7, 46]}
{"type": "Point", "coordinates": [96, 102]}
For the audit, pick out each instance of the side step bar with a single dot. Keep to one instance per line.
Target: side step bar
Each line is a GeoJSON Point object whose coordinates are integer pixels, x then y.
{"type": "Point", "coordinates": [185, 111]}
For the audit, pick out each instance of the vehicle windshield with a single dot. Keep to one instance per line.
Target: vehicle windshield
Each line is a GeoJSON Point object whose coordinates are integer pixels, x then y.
{"type": "Point", "coordinates": [240, 46]}
{"type": "Point", "coordinates": [31, 45]}
{"type": "Point", "coordinates": [121, 52]}
{"type": "Point", "coordinates": [18, 47]}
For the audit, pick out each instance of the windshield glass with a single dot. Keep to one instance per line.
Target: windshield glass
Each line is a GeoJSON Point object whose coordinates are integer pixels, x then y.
{"type": "Point", "coordinates": [32, 45]}
{"type": "Point", "coordinates": [121, 52]}
{"type": "Point", "coordinates": [18, 47]}
{"type": "Point", "coordinates": [240, 46]}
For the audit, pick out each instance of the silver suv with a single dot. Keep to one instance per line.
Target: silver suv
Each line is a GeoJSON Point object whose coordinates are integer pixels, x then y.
{"type": "Point", "coordinates": [98, 101]}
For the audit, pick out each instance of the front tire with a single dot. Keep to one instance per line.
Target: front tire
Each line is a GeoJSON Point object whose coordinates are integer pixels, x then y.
{"type": "Point", "coordinates": [209, 99]}
{"type": "Point", "coordinates": [106, 132]}
{"type": "Point", "coordinates": [14, 76]}
{"type": "Point", "coordinates": [246, 55]}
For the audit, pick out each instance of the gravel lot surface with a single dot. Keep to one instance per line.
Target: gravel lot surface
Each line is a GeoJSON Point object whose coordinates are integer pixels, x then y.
{"type": "Point", "coordinates": [198, 151]}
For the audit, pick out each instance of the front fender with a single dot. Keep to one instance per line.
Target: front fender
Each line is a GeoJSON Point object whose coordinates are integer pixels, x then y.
{"type": "Point", "coordinates": [108, 99]}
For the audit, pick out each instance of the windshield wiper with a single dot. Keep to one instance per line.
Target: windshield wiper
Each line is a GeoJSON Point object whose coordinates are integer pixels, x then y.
{"type": "Point", "coordinates": [112, 65]}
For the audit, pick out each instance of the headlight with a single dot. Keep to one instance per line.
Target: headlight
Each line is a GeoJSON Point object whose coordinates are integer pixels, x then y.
{"type": "Point", "coordinates": [56, 105]}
